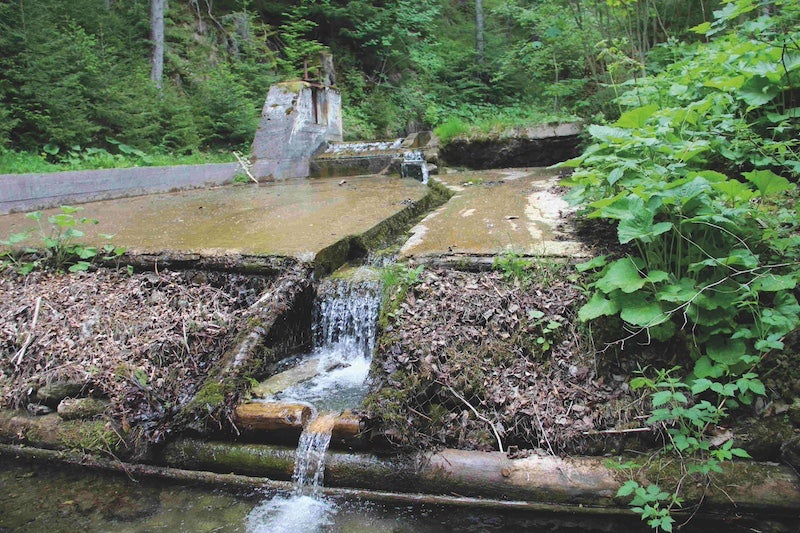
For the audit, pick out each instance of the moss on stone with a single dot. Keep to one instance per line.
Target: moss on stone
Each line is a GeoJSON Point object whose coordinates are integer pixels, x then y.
{"type": "Point", "coordinates": [95, 436]}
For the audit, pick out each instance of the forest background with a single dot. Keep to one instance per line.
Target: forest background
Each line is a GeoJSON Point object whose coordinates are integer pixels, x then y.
{"type": "Point", "coordinates": [78, 84]}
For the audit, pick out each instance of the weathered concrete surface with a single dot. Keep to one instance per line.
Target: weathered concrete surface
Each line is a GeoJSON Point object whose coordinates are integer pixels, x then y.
{"type": "Point", "coordinates": [496, 211]}
{"type": "Point", "coordinates": [296, 218]}
{"type": "Point", "coordinates": [297, 120]}
{"type": "Point", "coordinates": [26, 192]}
{"type": "Point", "coordinates": [541, 145]}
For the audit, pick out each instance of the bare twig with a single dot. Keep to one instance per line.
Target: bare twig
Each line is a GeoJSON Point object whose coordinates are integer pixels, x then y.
{"type": "Point", "coordinates": [245, 166]}
{"type": "Point", "coordinates": [477, 414]}
{"type": "Point", "coordinates": [21, 353]}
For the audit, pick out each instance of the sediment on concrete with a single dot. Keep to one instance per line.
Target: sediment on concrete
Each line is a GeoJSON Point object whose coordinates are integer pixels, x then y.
{"type": "Point", "coordinates": [353, 247]}
{"type": "Point", "coordinates": [26, 192]}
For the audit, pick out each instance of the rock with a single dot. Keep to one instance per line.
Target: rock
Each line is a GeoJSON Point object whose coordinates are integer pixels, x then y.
{"type": "Point", "coordinates": [52, 393]}
{"type": "Point", "coordinates": [81, 408]}
{"type": "Point", "coordinates": [37, 409]}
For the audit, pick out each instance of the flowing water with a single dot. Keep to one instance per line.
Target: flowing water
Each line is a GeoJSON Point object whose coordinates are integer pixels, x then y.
{"type": "Point", "coordinates": [344, 337]}
{"type": "Point", "coordinates": [306, 509]}
{"type": "Point", "coordinates": [40, 496]}
{"type": "Point", "coordinates": [415, 166]}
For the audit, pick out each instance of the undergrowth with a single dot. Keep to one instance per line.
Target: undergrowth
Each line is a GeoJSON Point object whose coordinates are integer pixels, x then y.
{"type": "Point", "coordinates": [700, 180]}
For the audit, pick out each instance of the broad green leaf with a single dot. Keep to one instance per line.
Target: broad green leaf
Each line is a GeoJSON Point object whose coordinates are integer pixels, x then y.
{"type": "Point", "coordinates": [700, 385]}
{"type": "Point", "coordinates": [641, 228]}
{"type": "Point", "coordinates": [726, 351]}
{"type": "Point", "coordinates": [80, 266]}
{"type": "Point", "coordinates": [758, 91]}
{"type": "Point", "coordinates": [636, 118]}
{"type": "Point", "coordinates": [768, 182]}
{"type": "Point", "coordinates": [627, 488]}
{"type": "Point", "coordinates": [661, 397]}
{"type": "Point", "coordinates": [86, 252]}
{"type": "Point", "coordinates": [597, 306]}
{"type": "Point", "coordinates": [622, 274]}
{"type": "Point", "coordinates": [34, 215]}
{"type": "Point", "coordinates": [701, 28]}
{"type": "Point", "coordinates": [593, 263]}
{"type": "Point", "coordinates": [609, 134]}
{"type": "Point", "coordinates": [638, 311]}
{"type": "Point", "coordinates": [70, 209]}
{"type": "Point", "coordinates": [775, 283]}
{"type": "Point", "coordinates": [734, 190]}
{"type": "Point", "coordinates": [657, 276]}
{"type": "Point", "coordinates": [704, 368]}
{"type": "Point", "coordinates": [726, 83]}
{"type": "Point", "coordinates": [680, 292]}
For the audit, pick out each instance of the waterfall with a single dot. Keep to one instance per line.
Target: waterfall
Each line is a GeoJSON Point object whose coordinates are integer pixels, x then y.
{"type": "Point", "coordinates": [345, 319]}
{"type": "Point", "coordinates": [309, 460]}
{"type": "Point", "coordinates": [414, 166]}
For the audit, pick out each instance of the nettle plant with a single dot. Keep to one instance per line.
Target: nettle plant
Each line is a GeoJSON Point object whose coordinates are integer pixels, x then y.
{"type": "Point", "coordinates": [58, 236]}
{"type": "Point", "coordinates": [698, 175]}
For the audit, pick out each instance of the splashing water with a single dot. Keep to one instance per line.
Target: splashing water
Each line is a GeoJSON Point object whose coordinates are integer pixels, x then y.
{"type": "Point", "coordinates": [344, 337]}
{"type": "Point", "coordinates": [309, 460]}
{"type": "Point", "coordinates": [306, 509]}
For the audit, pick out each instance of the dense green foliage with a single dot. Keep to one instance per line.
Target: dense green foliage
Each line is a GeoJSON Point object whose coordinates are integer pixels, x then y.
{"type": "Point", "coordinates": [75, 74]}
{"type": "Point", "coordinates": [699, 175]}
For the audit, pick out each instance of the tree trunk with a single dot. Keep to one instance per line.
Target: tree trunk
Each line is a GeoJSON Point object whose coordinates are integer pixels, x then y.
{"type": "Point", "coordinates": [157, 8]}
{"type": "Point", "coordinates": [480, 43]}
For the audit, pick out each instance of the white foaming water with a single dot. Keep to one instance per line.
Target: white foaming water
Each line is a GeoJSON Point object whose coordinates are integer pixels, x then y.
{"type": "Point", "coordinates": [291, 514]}
{"type": "Point", "coordinates": [344, 336]}
{"type": "Point", "coordinates": [357, 147]}
{"type": "Point", "coordinates": [412, 159]}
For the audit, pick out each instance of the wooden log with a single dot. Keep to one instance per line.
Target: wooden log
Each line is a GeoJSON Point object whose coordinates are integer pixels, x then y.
{"type": "Point", "coordinates": [271, 416]}
{"type": "Point", "coordinates": [745, 485]}
{"type": "Point", "coordinates": [81, 408]}
{"type": "Point", "coordinates": [345, 427]}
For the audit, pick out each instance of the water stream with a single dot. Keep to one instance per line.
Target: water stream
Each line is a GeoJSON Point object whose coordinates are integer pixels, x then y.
{"type": "Point", "coordinates": [415, 166]}
{"type": "Point", "coordinates": [344, 337]}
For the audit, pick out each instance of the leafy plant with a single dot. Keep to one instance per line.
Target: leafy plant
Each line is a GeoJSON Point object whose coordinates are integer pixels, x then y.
{"type": "Point", "coordinates": [514, 267]}
{"type": "Point", "coordinates": [59, 239]}
{"type": "Point", "coordinates": [396, 280]}
{"type": "Point", "coordinates": [548, 328]}
{"type": "Point", "coordinates": [696, 178]}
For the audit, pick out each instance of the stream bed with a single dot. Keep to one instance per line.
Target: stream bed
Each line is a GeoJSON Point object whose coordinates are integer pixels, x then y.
{"type": "Point", "coordinates": [45, 496]}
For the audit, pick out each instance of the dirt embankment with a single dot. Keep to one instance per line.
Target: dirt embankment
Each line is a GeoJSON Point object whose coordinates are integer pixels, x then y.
{"type": "Point", "coordinates": [145, 342]}
{"type": "Point", "coordinates": [472, 361]}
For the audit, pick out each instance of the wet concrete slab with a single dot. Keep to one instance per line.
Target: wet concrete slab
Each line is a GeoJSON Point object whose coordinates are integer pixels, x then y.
{"type": "Point", "coordinates": [493, 211]}
{"type": "Point", "coordinates": [296, 218]}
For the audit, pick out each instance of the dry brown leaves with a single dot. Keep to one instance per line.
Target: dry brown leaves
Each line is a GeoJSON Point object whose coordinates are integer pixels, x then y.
{"type": "Point", "coordinates": [145, 341]}
{"type": "Point", "coordinates": [475, 336]}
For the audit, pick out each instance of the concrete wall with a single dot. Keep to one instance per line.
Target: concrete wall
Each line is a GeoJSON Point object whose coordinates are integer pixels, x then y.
{"type": "Point", "coordinates": [298, 119]}
{"type": "Point", "coordinates": [26, 192]}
